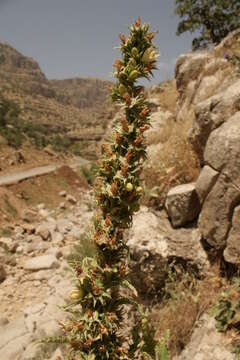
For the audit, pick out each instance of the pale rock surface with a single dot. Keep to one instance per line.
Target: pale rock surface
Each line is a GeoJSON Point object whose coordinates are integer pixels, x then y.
{"type": "Point", "coordinates": [71, 199]}
{"type": "Point", "coordinates": [222, 153]}
{"type": "Point", "coordinates": [44, 232]}
{"type": "Point", "coordinates": [206, 343]}
{"type": "Point", "coordinates": [212, 113]}
{"type": "Point", "coordinates": [41, 263]}
{"type": "Point", "coordinates": [63, 193]}
{"type": "Point", "coordinates": [205, 182]}
{"type": "Point", "coordinates": [58, 355]}
{"type": "Point", "coordinates": [28, 228]}
{"type": "Point", "coordinates": [30, 216]}
{"type": "Point", "coordinates": [215, 218]}
{"type": "Point", "coordinates": [154, 243]}
{"type": "Point", "coordinates": [232, 250]}
{"type": "Point", "coordinates": [55, 252]}
{"type": "Point", "coordinates": [182, 204]}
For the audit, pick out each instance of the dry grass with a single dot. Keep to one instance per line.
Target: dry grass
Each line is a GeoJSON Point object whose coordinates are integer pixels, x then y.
{"type": "Point", "coordinates": [167, 95]}
{"type": "Point", "coordinates": [179, 314]}
{"type": "Point", "coordinates": [175, 163]}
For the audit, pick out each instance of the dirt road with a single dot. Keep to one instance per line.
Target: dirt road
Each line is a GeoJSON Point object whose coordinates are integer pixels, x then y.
{"type": "Point", "coordinates": [43, 170]}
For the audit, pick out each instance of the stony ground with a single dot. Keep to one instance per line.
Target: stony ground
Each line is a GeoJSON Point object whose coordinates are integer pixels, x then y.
{"type": "Point", "coordinates": [36, 275]}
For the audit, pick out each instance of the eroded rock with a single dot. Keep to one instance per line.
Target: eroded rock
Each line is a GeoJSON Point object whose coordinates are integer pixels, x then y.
{"type": "Point", "coordinates": [232, 251]}
{"type": "Point", "coordinates": [205, 182]}
{"type": "Point", "coordinates": [182, 204]}
{"type": "Point", "coordinates": [41, 263]}
{"type": "Point", "coordinates": [154, 244]}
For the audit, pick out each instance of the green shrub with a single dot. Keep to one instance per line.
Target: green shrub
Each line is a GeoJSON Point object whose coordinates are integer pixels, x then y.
{"type": "Point", "coordinates": [211, 20]}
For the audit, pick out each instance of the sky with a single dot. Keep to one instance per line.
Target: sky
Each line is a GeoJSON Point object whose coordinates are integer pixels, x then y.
{"type": "Point", "coordinates": [77, 38]}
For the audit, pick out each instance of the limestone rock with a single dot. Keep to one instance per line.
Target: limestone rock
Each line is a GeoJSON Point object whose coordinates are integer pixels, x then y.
{"type": "Point", "coordinates": [212, 113]}
{"type": "Point", "coordinates": [41, 206]}
{"type": "Point", "coordinates": [71, 199]}
{"type": "Point", "coordinates": [58, 355]}
{"type": "Point", "coordinates": [232, 251]}
{"type": "Point", "coordinates": [44, 232]}
{"type": "Point", "coordinates": [55, 251]}
{"type": "Point", "coordinates": [44, 213]}
{"type": "Point", "coordinates": [222, 153]}
{"type": "Point", "coordinates": [154, 244]}
{"type": "Point", "coordinates": [215, 217]}
{"type": "Point", "coordinates": [28, 228]}
{"type": "Point", "coordinates": [62, 193]}
{"type": "Point", "coordinates": [62, 206]}
{"type": "Point", "coordinates": [30, 216]}
{"type": "Point", "coordinates": [182, 204]}
{"type": "Point", "coordinates": [205, 182]}
{"type": "Point", "coordinates": [8, 244]}
{"type": "Point", "coordinates": [3, 274]}
{"type": "Point", "coordinates": [206, 343]}
{"type": "Point", "coordinates": [41, 263]}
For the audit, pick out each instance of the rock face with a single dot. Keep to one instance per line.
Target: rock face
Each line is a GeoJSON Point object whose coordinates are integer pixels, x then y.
{"type": "Point", "coordinates": [212, 113]}
{"type": "Point", "coordinates": [205, 182]}
{"type": "Point", "coordinates": [206, 343]}
{"type": "Point", "coordinates": [154, 244]}
{"type": "Point", "coordinates": [209, 88]}
{"type": "Point", "coordinates": [182, 204]}
{"type": "Point", "coordinates": [222, 153]}
{"type": "Point", "coordinates": [232, 251]}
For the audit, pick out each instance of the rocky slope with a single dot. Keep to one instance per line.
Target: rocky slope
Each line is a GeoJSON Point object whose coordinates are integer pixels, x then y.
{"type": "Point", "coordinates": [176, 251]}
{"type": "Point", "coordinates": [74, 108]}
{"type": "Point", "coordinates": [209, 88]}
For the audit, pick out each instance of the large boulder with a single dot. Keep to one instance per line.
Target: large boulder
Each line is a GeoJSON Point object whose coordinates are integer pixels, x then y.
{"type": "Point", "coordinates": [211, 113]}
{"type": "Point", "coordinates": [42, 263]}
{"type": "Point", "coordinates": [182, 204]}
{"type": "Point", "coordinates": [205, 182]}
{"type": "Point", "coordinates": [154, 244]}
{"type": "Point", "coordinates": [206, 343]}
{"type": "Point", "coordinates": [222, 153]}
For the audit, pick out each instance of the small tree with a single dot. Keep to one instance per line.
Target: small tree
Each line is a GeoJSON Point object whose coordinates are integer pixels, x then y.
{"type": "Point", "coordinates": [214, 19]}
{"type": "Point", "coordinates": [97, 302]}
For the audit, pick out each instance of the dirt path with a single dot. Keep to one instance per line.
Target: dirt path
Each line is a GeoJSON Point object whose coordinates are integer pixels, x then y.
{"type": "Point", "coordinates": [43, 170]}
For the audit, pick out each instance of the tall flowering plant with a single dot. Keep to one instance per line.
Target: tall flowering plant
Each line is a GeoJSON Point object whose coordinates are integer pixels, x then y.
{"type": "Point", "coordinates": [97, 302]}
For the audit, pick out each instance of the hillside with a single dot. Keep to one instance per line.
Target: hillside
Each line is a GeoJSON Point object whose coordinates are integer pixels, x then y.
{"type": "Point", "coordinates": [62, 108]}
{"type": "Point", "coordinates": [184, 240]}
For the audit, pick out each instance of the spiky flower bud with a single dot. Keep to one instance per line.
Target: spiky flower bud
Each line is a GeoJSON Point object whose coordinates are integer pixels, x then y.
{"type": "Point", "coordinates": [139, 190]}
{"type": "Point", "coordinates": [134, 52]}
{"type": "Point", "coordinates": [76, 294]}
{"type": "Point", "coordinates": [129, 187]}
{"type": "Point", "coordinates": [122, 89]}
{"type": "Point", "coordinates": [134, 75]}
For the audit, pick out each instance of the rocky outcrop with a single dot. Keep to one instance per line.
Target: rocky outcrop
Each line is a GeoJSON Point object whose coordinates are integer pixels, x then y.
{"type": "Point", "coordinates": [209, 90]}
{"type": "Point", "coordinates": [222, 153]}
{"type": "Point", "coordinates": [232, 250]}
{"type": "Point", "coordinates": [212, 113]}
{"type": "Point", "coordinates": [205, 182]}
{"type": "Point", "coordinates": [206, 343]}
{"type": "Point", "coordinates": [182, 204]}
{"type": "Point", "coordinates": [154, 244]}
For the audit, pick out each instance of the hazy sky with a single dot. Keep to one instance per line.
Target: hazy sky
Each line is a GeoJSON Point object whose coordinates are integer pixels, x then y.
{"type": "Point", "coordinates": [77, 37]}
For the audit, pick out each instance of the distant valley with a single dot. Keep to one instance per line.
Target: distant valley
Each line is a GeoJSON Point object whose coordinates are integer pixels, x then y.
{"type": "Point", "coordinates": [69, 114]}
